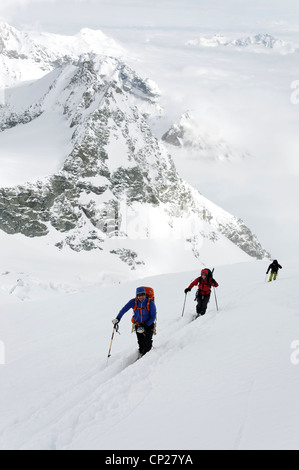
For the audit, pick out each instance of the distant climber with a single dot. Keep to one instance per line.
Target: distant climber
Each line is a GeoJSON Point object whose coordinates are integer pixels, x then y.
{"type": "Point", "coordinates": [273, 267]}
{"type": "Point", "coordinates": [204, 283]}
{"type": "Point", "coordinates": [143, 319]}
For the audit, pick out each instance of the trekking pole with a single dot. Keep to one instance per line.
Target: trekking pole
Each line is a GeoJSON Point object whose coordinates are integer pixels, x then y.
{"type": "Point", "coordinates": [115, 329]}
{"type": "Point", "coordinates": [216, 299]}
{"type": "Point", "coordinates": [215, 292]}
{"type": "Point", "coordinates": [184, 305]}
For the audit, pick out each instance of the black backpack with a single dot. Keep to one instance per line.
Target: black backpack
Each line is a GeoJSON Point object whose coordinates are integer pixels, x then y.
{"type": "Point", "coordinates": [210, 273]}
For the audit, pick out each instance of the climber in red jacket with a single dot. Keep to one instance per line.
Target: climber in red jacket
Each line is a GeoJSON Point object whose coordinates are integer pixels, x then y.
{"type": "Point", "coordinates": [204, 283]}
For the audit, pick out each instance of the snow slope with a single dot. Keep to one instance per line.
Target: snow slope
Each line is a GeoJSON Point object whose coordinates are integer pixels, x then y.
{"type": "Point", "coordinates": [225, 381]}
{"type": "Point", "coordinates": [24, 157]}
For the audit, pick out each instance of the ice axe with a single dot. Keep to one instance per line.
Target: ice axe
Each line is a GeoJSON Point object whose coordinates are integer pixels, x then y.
{"type": "Point", "coordinates": [184, 305]}
{"type": "Point", "coordinates": [115, 329]}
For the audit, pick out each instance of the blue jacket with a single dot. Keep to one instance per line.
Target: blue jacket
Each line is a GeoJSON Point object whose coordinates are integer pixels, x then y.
{"type": "Point", "coordinates": [141, 314]}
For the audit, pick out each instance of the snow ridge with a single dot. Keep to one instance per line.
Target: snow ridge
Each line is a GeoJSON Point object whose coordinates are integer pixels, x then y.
{"type": "Point", "coordinates": [29, 55]}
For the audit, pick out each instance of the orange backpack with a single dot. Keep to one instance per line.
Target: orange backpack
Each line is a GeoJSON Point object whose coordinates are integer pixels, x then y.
{"type": "Point", "coordinates": [149, 293]}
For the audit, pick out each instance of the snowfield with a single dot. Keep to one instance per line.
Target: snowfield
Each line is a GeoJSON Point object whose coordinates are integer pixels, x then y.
{"type": "Point", "coordinates": [228, 380]}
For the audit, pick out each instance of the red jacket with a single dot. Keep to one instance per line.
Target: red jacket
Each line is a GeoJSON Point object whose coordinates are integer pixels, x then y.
{"type": "Point", "coordinates": [204, 287]}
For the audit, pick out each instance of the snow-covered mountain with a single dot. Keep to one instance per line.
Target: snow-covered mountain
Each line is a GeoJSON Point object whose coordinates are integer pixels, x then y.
{"type": "Point", "coordinates": [188, 134]}
{"type": "Point", "coordinates": [256, 43]}
{"type": "Point", "coordinates": [264, 41]}
{"type": "Point", "coordinates": [21, 58]}
{"type": "Point", "coordinates": [83, 170]}
{"type": "Point", "coordinates": [29, 55]}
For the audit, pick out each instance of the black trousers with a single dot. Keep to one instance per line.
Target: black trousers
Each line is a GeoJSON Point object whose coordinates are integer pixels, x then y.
{"type": "Point", "coordinates": [202, 303]}
{"type": "Point", "coordinates": [145, 340]}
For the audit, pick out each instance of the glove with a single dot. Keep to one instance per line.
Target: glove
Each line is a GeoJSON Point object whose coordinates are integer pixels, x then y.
{"type": "Point", "coordinates": [140, 329]}
{"type": "Point", "coordinates": [187, 290]}
{"type": "Point", "coordinates": [115, 321]}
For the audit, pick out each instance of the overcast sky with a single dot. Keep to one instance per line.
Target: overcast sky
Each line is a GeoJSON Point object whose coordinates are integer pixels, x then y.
{"type": "Point", "coordinates": [247, 97]}
{"type": "Point", "coordinates": [69, 16]}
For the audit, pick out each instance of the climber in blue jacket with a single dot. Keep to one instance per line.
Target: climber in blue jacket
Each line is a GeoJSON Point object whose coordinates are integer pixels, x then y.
{"type": "Point", "coordinates": [144, 317]}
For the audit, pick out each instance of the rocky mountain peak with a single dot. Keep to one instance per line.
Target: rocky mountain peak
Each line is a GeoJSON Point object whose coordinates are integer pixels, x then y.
{"type": "Point", "coordinates": [189, 134]}
{"type": "Point", "coordinates": [117, 182]}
